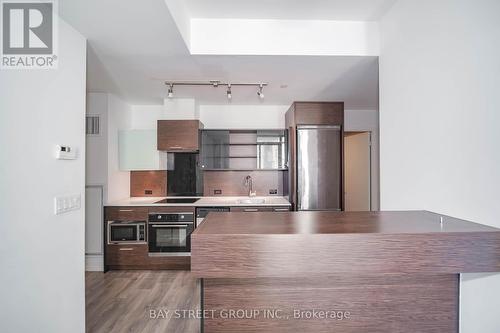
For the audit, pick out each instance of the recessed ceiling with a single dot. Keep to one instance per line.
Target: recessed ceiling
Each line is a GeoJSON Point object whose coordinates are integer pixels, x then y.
{"type": "Point", "coordinates": [133, 47]}
{"type": "Point", "coordinates": [344, 10]}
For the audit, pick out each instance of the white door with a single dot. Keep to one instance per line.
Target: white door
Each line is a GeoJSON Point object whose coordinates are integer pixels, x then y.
{"type": "Point", "coordinates": [357, 162]}
{"type": "Point", "coordinates": [93, 220]}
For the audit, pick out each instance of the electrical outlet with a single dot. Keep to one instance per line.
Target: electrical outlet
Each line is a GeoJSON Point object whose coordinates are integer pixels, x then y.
{"type": "Point", "coordinates": [273, 191]}
{"type": "Point", "coordinates": [148, 192]}
{"type": "Point", "coordinates": [217, 192]}
{"type": "Point", "coordinates": [66, 204]}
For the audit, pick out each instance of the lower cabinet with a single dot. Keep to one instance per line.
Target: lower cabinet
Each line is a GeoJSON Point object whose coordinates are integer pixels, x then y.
{"type": "Point", "coordinates": [126, 255]}
{"type": "Point", "coordinates": [136, 255]}
{"type": "Point", "coordinates": [126, 213]}
{"type": "Point", "coordinates": [260, 209]}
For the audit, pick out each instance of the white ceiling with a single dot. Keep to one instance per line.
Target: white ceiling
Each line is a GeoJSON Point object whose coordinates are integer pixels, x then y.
{"type": "Point", "coordinates": [346, 10]}
{"type": "Point", "coordinates": [133, 46]}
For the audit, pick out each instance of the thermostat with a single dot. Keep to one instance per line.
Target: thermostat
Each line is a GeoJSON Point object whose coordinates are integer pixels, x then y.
{"type": "Point", "coordinates": [65, 153]}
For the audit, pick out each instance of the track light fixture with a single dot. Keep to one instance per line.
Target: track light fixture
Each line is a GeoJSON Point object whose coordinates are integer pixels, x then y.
{"type": "Point", "coordinates": [170, 90]}
{"type": "Point", "coordinates": [228, 92]}
{"type": "Point", "coordinates": [215, 84]}
{"type": "Point", "coordinates": [260, 93]}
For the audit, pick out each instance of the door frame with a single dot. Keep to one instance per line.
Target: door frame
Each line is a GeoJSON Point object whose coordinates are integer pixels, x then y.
{"type": "Point", "coordinates": [372, 181]}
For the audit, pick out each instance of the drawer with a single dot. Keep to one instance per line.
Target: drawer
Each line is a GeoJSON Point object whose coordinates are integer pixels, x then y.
{"type": "Point", "coordinates": [126, 213]}
{"type": "Point", "coordinates": [171, 209]}
{"type": "Point", "coordinates": [251, 209]}
{"type": "Point", "coordinates": [260, 209]}
{"type": "Point", "coordinates": [127, 254]}
{"type": "Point", "coordinates": [281, 209]}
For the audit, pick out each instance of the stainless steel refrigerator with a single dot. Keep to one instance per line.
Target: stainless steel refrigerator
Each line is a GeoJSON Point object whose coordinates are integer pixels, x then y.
{"type": "Point", "coordinates": [319, 168]}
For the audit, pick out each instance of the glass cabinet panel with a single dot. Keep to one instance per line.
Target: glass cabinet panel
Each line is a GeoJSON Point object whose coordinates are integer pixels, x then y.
{"type": "Point", "coordinates": [214, 149]}
{"type": "Point", "coordinates": [137, 151]}
{"type": "Point", "coordinates": [243, 149]}
{"type": "Point", "coordinates": [271, 149]}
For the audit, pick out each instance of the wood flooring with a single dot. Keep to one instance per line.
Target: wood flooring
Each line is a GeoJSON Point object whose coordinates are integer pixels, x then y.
{"type": "Point", "coordinates": [126, 301]}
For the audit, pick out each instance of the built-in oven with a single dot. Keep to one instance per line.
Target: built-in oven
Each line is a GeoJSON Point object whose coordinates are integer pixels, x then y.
{"type": "Point", "coordinates": [170, 233]}
{"type": "Point", "coordinates": [125, 232]}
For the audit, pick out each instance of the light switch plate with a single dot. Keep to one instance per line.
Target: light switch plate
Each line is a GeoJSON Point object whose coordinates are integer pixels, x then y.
{"type": "Point", "coordinates": [64, 204]}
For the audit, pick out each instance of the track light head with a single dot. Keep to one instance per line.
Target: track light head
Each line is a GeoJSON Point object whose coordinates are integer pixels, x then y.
{"type": "Point", "coordinates": [170, 90]}
{"type": "Point", "coordinates": [260, 93]}
{"type": "Point", "coordinates": [228, 92]}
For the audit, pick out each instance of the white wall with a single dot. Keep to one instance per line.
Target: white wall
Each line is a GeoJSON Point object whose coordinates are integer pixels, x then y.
{"type": "Point", "coordinates": [41, 254]}
{"type": "Point", "coordinates": [96, 164]}
{"type": "Point", "coordinates": [119, 117]}
{"type": "Point", "coordinates": [102, 168]}
{"type": "Point", "coordinates": [102, 165]}
{"type": "Point", "coordinates": [212, 116]}
{"type": "Point", "coordinates": [96, 174]}
{"type": "Point", "coordinates": [180, 108]}
{"type": "Point", "coordinates": [145, 116]}
{"type": "Point", "coordinates": [439, 119]}
{"type": "Point", "coordinates": [243, 116]}
{"type": "Point", "coordinates": [235, 116]}
{"type": "Point", "coordinates": [283, 37]}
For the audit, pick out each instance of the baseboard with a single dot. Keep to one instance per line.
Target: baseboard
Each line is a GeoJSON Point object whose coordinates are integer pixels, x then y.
{"type": "Point", "coordinates": [94, 262]}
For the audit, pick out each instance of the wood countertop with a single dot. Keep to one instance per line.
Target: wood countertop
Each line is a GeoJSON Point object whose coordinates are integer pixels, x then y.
{"type": "Point", "coordinates": [307, 244]}
{"type": "Point", "coordinates": [207, 201]}
{"type": "Point", "coordinates": [323, 222]}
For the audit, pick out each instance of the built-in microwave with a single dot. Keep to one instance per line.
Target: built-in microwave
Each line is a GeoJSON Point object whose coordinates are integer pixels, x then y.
{"type": "Point", "coordinates": [126, 232]}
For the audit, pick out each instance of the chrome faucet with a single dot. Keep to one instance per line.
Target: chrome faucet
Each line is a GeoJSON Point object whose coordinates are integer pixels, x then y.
{"type": "Point", "coordinates": [249, 183]}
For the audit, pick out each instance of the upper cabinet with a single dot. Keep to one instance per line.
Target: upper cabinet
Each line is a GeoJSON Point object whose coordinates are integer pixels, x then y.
{"type": "Point", "coordinates": [243, 149]}
{"type": "Point", "coordinates": [178, 135]}
{"type": "Point", "coordinates": [315, 113]}
{"type": "Point", "coordinates": [137, 151]}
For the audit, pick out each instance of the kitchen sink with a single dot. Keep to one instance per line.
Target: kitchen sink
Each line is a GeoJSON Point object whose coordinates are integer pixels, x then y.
{"type": "Point", "coordinates": [251, 201]}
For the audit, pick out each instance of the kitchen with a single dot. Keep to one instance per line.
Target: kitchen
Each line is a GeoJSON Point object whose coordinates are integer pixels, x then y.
{"type": "Point", "coordinates": [224, 214]}
{"type": "Point", "coordinates": [212, 155]}
{"type": "Point", "coordinates": [216, 170]}
{"type": "Point", "coordinates": [263, 166]}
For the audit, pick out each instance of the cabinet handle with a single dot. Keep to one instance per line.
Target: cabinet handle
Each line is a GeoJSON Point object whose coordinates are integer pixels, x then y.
{"type": "Point", "coordinates": [251, 209]}
{"type": "Point", "coordinates": [125, 210]}
{"type": "Point", "coordinates": [126, 249]}
{"type": "Point", "coordinates": [171, 226]}
{"type": "Point", "coordinates": [175, 147]}
{"type": "Point", "coordinates": [281, 209]}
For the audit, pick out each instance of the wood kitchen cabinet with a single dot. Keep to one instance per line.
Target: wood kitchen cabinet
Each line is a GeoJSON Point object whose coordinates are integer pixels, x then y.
{"type": "Point", "coordinates": [260, 209]}
{"type": "Point", "coordinates": [136, 255]}
{"type": "Point", "coordinates": [243, 149]}
{"type": "Point", "coordinates": [312, 114]}
{"type": "Point", "coordinates": [178, 135]}
{"type": "Point", "coordinates": [126, 254]}
{"type": "Point", "coordinates": [126, 213]}
{"type": "Point", "coordinates": [315, 113]}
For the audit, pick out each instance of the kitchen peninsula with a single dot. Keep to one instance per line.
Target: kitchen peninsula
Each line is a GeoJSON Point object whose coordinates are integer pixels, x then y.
{"type": "Point", "coordinates": [382, 271]}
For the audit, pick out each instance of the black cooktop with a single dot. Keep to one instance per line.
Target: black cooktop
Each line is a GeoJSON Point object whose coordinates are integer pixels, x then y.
{"type": "Point", "coordinates": [178, 200]}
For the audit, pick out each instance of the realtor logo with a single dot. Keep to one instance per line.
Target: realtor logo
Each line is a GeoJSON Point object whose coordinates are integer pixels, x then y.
{"type": "Point", "coordinates": [28, 34]}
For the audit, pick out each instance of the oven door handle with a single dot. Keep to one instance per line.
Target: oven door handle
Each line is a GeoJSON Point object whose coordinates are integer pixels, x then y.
{"type": "Point", "coordinates": [172, 223]}
{"type": "Point", "coordinates": [170, 226]}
